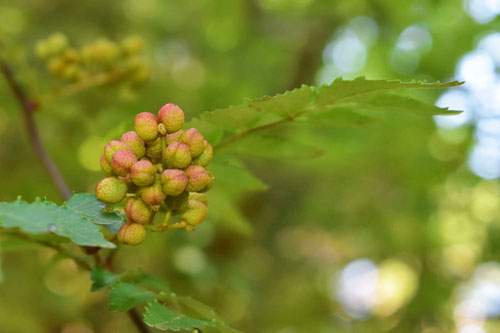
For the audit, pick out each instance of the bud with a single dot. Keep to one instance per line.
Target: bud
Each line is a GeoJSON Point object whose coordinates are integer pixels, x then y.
{"type": "Point", "coordinates": [137, 210]}
{"type": "Point", "coordinates": [205, 157]}
{"type": "Point", "coordinates": [111, 148]}
{"type": "Point", "coordinates": [105, 166]}
{"type": "Point", "coordinates": [146, 126]}
{"type": "Point", "coordinates": [172, 117]}
{"type": "Point", "coordinates": [131, 233]}
{"type": "Point", "coordinates": [153, 194]}
{"type": "Point", "coordinates": [122, 162]}
{"type": "Point", "coordinates": [143, 173]}
{"type": "Point", "coordinates": [55, 66]}
{"type": "Point", "coordinates": [135, 143]}
{"type": "Point", "coordinates": [171, 138]}
{"type": "Point", "coordinates": [111, 190]}
{"type": "Point", "coordinates": [194, 140]}
{"type": "Point", "coordinates": [177, 156]}
{"type": "Point", "coordinates": [195, 213]}
{"type": "Point", "coordinates": [201, 197]}
{"type": "Point", "coordinates": [162, 129]}
{"type": "Point", "coordinates": [198, 177]}
{"type": "Point", "coordinates": [132, 45]}
{"type": "Point", "coordinates": [174, 181]}
{"type": "Point", "coordinates": [153, 149]}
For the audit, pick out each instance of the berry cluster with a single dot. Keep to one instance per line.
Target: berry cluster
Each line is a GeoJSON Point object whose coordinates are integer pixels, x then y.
{"type": "Point", "coordinates": [157, 167]}
{"type": "Point", "coordinates": [96, 58]}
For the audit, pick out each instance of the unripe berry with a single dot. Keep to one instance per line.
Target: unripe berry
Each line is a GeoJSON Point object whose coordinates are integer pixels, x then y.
{"type": "Point", "coordinates": [122, 162]}
{"type": "Point", "coordinates": [143, 173]}
{"type": "Point", "coordinates": [112, 147]}
{"type": "Point", "coordinates": [195, 213]}
{"type": "Point", "coordinates": [135, 143]}
{"type": "Point", "coordinates": [205, 157]}
{"type": "Point", "coordinates": [146, 126]}
{"type": "Point", "coordinates": [101, 51]}
{"type": "Point", "coordinates": [174, 181]}
{"type": "Point", "coordinates": [198, 177]}
{"type": "Point", "coordinates": [105, 166]}
{"type": "Point", "coordinates": [201, 197]}
{"type": "Point", "coordinates": [132, 233]}
{"type": "Point", "coordinates": [177, 155]}
{"type": "Point", "coordinates": [153, 149]}
{"type": "Point", "coordinates": [153, 194]}
{"type": "Point", "coordinates": [137, 210]}
{"type": "Point", "coordinates": [54, 44]}
{"type": "Point", "coordinates": [173, 137]}
{"type": "Point", "coordinates": [111, 190]}
{"type": "Point", "coordinates": [194, 140]}
{"type": "Point", "coordinates": [172, 117]}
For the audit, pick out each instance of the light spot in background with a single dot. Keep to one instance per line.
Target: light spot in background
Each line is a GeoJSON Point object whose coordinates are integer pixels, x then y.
{"type": "Point", "coordinates": [189, 260]}
{"type": "Point", "coordinates": [454, 100]}
{"type": "Point", "coordinates": [480, 98]}
{"type": "Point", "coordinates": [479, 299]}
{"type": "Point", "coordinates": [413, 42]}
{"type": "Point", "coordinates": [477, 69]}
{"type": "Point", "coordinates": [484, 161]}
{"type": "Point", "coordinates": [482, 11]}
{"type": "Point", "coordinates": [356, 288]}
{"type": "Point", "coordinates": [347, 52]}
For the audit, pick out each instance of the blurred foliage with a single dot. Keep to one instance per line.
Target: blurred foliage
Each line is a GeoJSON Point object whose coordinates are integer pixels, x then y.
{"type": "Point", "coordinates": [396, 190]}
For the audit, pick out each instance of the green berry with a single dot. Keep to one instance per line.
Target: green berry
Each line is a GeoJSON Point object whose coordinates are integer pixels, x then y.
{"type": "Point", "coordinates": [174, 181]}
{"type": "Point", "coordinates": [198, 178]}
{"type": "Point", "coordinates": [135, 143]}
{"type": "Point", "coordinates": [132, 233]}
{"type": "Point", "coordinates": [146, 126]}
{"type": "Point", "coordinates": [172, 117]}
{"type": "Point", "coordinates": [122, 162]}
{"type": "Point", "coordinates": [111, 190]}
{"type": "Point", "coordinates": [143, 173]}
{"type": "Point", "coordinates": [194, 140]}
{"type": "Point", "coordinates": [153, 194]}
{"type": "Point", "coordinates": [177, 156]}
{"type": "Point", "coordinates": [205, 157]}
{"type": "Point", "coordinates": [153, 149]}
{"type": "Point", "coordinates": [201, 197]}
{"type": "Point", "coordinates": [105, 166]}
{"type": "Point", "coordinates": [111, 148]}
{"type": "Point", "coordinates": [137, 210]}
{"type": "Point", "coordinates": [195, 213]}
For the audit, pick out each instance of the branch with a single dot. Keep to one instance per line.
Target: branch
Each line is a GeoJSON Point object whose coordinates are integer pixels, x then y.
{"type": "Point", "coordinates": [29, 106]}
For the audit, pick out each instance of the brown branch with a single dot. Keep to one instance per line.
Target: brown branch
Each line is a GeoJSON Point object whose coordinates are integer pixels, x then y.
{"type": "Point", "coordinates": [29, 106]}
{"type": "Point", "coordinates": [136, 319]}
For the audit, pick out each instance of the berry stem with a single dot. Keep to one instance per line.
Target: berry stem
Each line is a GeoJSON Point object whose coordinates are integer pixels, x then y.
{"type": "Point", "coordinates": [168, 214]}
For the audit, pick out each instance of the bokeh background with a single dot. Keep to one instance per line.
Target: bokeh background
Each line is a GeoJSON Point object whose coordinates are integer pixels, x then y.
{"type": "Point", "coordinates": [388, 227]}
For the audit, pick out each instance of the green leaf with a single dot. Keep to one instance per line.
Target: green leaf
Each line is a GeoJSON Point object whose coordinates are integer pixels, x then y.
{"type": "Point", "coordinates": [123, 296]}
{"type": "Point", "coordinates": [102, 278]}
{"type": "Point", "coordinates": [45, 216]}
{"type": "Point", "coordinates": [87, 205]}
{"type": "Point", "coordinates": [262, 113]}
{"type": "Point", "coordinates": [162, 318]}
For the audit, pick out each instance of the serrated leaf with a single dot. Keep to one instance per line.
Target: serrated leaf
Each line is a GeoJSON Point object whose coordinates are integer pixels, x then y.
{"type": "Point", "coordinates": [87, 205]}
{"type": "Point", "coordinates": [148, 281]}
{"type": "Point", "coordinates": [267, 111]}
{"type": "Point", "coordinates": [102, 278]}
{"type": "Point", "coordinates": [162, 318]}
{"type": "Point", "coordinates": [44, 216]}
{"type": "Point", "coordinates": [123, 296]}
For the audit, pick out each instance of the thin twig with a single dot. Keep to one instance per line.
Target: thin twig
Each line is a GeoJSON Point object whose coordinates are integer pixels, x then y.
{"type": "Point", "coordinates": [29, 106]}
{"type": "Point", "coordinates": [136, 319]}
